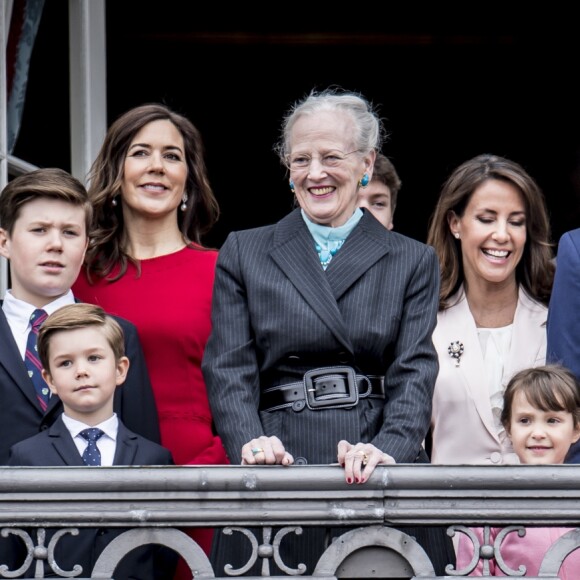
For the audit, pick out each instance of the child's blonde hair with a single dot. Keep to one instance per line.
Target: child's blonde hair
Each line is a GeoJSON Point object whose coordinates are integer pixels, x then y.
{"type": "Point", "coordinates": [75, 316]}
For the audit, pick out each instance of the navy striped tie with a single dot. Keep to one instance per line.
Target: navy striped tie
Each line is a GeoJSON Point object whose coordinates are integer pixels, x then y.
{"type": "Point", "coordinates": [32, 361]}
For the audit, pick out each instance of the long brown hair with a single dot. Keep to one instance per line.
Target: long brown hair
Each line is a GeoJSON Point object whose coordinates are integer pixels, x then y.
{"type": "Point", "coordinates": [535, 271]}
{"type": "Point", "coordinates": [106, 249]}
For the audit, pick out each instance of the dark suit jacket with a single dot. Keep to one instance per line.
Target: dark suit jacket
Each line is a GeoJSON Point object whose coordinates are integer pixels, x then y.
{"type": "Point", "coordinates": [55, 447]}
{"type": "Point", "coordinates": [564, 313]}
{"type": "Point", "coordinates": [22, 417]}
{"type": "Point", "coordinates": [276, 314]}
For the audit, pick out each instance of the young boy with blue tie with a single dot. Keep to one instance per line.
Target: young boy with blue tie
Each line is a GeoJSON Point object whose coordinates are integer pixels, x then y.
{"type": "Point", "coordinates": [45, 217]}
{"type": "Point", "coordinates": [81, 350]}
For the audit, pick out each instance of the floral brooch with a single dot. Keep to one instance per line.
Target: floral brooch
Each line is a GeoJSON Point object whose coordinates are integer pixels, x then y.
{"type": "Point", "coordinates": [455, 350]}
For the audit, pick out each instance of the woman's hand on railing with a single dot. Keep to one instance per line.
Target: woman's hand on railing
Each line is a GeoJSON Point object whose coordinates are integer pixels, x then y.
{"type": "Point", "coordinates": [360, 460]}
{"type": "Point", "coordinates": [265, 451]}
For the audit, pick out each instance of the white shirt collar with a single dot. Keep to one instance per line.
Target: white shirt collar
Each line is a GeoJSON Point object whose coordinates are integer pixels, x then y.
{"type": "Point", "coordinates": [18, 312]}
{"type": "Point", "coordinates": [110, 427]}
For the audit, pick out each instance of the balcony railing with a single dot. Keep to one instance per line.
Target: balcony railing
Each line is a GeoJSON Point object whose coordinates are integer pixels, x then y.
{"type": "Point", "coordinates": [155, 502]}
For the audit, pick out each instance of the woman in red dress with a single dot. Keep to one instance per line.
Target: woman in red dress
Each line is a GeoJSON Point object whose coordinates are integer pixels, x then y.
{"type": "Point", "coordinates": [153, 202]}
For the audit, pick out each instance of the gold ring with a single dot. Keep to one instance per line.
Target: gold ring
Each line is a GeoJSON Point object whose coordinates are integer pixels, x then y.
{"type": "Point", "coordinates": [257, 450]}
{"type": "Point", "coordinates": [365, 459]}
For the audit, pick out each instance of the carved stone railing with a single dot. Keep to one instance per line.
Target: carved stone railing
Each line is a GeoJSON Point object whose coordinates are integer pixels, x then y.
{"type": "Point", "coordinates": [157, 501]}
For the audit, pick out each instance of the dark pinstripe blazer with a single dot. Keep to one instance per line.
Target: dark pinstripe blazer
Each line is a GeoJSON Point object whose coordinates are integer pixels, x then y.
{"type": "Point", "coordinates": [276, 314]}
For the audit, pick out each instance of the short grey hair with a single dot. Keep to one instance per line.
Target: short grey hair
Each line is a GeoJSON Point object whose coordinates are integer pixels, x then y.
{"type": "Point", "coordinates": [369, 135]}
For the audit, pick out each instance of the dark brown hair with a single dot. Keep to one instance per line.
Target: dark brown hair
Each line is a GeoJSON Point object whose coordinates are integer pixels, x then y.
{"type": "Point", "coordinates": [550, 387]}
{"type": "Point", "coordinates": [384, 172]}
{"type": "Point", "coordinates": [535, 272]}
{"type": "Point", "coordinates": [106, 249]}
{"type": "Point", "coordinates": [50, 183]}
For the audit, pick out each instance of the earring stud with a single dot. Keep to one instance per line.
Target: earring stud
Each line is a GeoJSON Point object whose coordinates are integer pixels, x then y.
{"type": "Point", "coordinates": [456, 234]}
{"type": "Point", "coordinates": [364, 180]}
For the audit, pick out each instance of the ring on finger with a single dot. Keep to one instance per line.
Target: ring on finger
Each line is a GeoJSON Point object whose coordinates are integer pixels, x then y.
{"type": "Point", "coordinates": [365, 459]}
{"type": "Point", "coordinates": [256, 450]}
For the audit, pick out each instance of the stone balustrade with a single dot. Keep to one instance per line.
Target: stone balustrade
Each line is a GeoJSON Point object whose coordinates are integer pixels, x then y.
{"type": "Point", "coordinates": [156, 502]}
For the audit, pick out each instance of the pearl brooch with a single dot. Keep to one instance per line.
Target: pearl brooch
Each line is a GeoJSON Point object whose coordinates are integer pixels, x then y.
{"type": "Point", "coordinates": [455, 350]}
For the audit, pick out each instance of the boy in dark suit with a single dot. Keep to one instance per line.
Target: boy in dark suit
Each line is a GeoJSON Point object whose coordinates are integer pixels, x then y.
{"type": "Point", "coordinates": [81, 350]}
{"type": "Point", "coordinates": [45, 216]}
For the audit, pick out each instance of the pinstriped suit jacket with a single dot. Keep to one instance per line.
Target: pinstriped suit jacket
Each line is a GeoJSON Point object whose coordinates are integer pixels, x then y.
{"type": "Point", "coordinates": [276, 314]}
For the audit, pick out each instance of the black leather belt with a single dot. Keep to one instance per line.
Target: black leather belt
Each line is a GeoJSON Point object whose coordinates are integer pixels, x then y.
{"type": "Point", "coordinates": [324, 388]}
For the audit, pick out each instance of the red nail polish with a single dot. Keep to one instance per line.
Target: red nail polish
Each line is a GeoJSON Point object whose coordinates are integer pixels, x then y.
{"type": "Point", "coordinates": [348, 480]}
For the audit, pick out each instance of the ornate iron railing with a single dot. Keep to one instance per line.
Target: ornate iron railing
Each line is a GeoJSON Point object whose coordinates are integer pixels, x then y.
{"type": "Point", "coordinates": [155, 502]}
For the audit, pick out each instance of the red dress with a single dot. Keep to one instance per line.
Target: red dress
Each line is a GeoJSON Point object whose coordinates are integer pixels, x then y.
{"type": "Point", "coordinates": [170, 304]}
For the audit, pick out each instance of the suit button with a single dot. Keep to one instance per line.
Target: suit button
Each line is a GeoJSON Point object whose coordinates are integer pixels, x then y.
{"type": "Point", "coordinates": [495, 457]}
{"type": "Point", "coordinates": [297, 406]}
{"type": "Point", "coordinates": [300, 461]}
{"type": "Point", "coordinates": [43, 427]}
{"type": "Point", "coordinates": [343, 358]}
{"type": "Point", "coordinates": [293, 357]}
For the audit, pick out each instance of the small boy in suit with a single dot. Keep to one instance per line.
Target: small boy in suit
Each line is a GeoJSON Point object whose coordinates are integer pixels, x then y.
{"type": "Point", "coordinates": [81, 349]}
{"type": "Point", "coordinates": [45, 217]}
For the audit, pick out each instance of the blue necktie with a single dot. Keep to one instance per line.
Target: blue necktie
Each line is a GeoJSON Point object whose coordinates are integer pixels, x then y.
{"type": "Point", "coordinates": [32, 361]}
{"type": "Point", "coordinates": [92, 455]}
